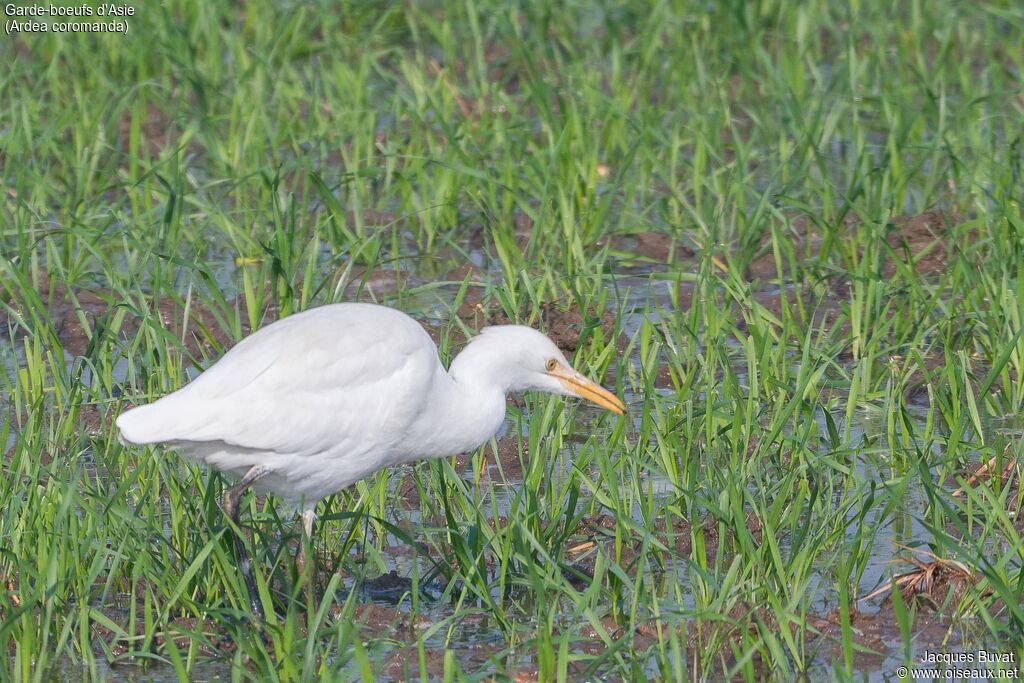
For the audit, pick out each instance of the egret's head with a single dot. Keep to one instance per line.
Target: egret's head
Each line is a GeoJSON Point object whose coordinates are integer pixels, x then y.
{"type": "Point", "coordinates": [517, 358]}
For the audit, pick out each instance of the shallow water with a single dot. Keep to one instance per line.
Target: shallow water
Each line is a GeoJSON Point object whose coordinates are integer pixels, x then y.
{"type": "Point", "coordinates": [645, 299]}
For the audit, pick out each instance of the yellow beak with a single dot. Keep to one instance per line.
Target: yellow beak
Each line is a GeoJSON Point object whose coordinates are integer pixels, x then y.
{"type": "Point", "coordinates": [588, 389]}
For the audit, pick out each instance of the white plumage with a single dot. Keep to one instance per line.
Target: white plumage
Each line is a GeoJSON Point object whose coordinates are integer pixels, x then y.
{"type": "Point", "coordinates": [307, 396]}
{"type": "Point", "coordinates": [315, 402]}
{"type": "Point", "coordinates": [326, 397]}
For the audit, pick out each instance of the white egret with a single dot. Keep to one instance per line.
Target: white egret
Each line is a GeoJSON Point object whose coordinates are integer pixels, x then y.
{"type": "Point", "coordinates": [321, 399]}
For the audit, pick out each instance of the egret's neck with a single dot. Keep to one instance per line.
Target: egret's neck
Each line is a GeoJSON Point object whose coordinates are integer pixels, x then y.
{"type": "Point", "coordinates": [463, 413]}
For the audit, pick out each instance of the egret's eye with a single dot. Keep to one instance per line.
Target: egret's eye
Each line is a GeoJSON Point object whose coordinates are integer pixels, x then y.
{"type": "Point", "coordinates": [552, 364]}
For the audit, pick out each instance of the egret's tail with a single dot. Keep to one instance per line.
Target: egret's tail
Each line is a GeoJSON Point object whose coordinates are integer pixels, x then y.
{"type": "Point", "coordinates": [144, 424]}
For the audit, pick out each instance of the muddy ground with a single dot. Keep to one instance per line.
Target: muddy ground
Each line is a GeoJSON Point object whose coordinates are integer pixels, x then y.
{"type": "Point", "coordinates": [82, 317]}
{"type": "Point", "coordinates": [875, 631]}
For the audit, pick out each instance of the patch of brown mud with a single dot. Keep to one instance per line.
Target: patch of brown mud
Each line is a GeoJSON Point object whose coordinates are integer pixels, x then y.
{"type": "Point", "coordinates": [407, 664]}
{"type": "Point", "coordinates": [157, 132]}
{"type": "Point", "coordinates": [802, 236]}
{"type": "Point", "coordinates": [679, 536]}
{"type": "Point", "coordinates": [565, 326]}
{"type": "Point", "coordinates": [208, 637]}
{"type": "Point", "coordinates": [921, 374]}
{"type": "Point", "coordinates": [663, 377]}
{"type": "Point", "coordinates": [366, 283]}
{"type": "Point", "coordinates": [504, 461]}
{"type": "Point", "coordinates": [503, 465]}
{"type": "Point", "coordinates": [372, 218]}
{"type": "Point", "coordinates": [805, 305]}
{"type": "Point", "coordinates": [601, 530]}
{"type": "Point", "coordinates": [212, 639]}
{"type": "Point", "coordinates": [380, 619]}
{"type": "Point", "coordinates": [407, 493]}
{"type": "Point", "coordinates": [712, 642]}
{"type": "Point", "coordinates": [922, 241]}
{"type": "Point", "coordinates": [594, 640]}
{"type": "Point", "coordinates": [875, 636]}
{"type": "Point", "coordinates": [522, 232]}
{"type": "Point", "coordinates": [44, 457]}
{"type": "Point", "coordinates": [654, 246]}
{"type": "Point", "coordinates": [78, 314]}
{"type": "Point", "coordinates": [389, 587]}
{"type": "Point", "coordinates": [743, 622]}
{"type": "Point", "coordinates": [641, 638]}
{"type": "Point", "coordinates": [806, 309]}
{"type": "Point", "coordinates": [95, 421]}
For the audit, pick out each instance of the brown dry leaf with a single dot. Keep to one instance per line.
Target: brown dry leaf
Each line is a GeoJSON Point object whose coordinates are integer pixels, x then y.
{"type": "Point", "coordinates": [15, 600]}
{"type": "Point", "coordinates": [467, 111]}
{"type": "Point", "coordinates": [586, 545]}
{"type": "Point", "coordinates": [926, 576]}
{"type": "Point", "coordinates": [986, 471]}
{"type": "Point", "coordinates": [719, 263]}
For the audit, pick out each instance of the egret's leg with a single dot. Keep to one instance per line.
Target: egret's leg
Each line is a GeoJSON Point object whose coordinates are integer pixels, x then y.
{"type": "Point", "coordinates": [308, 517]}
{"type": "Point", "coordinates": [230, 504]}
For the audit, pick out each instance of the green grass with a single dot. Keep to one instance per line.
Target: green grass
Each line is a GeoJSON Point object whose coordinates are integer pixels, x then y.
{"type": "Point", "coordinates": [806, 387]}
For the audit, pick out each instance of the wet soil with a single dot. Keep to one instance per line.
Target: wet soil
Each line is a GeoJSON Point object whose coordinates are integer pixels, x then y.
{"type": "Point", "coordinates": [564, 323]}
{"type": "Point", "coordinates": [873, 632]}
{"type": "Point", "coordinates": [996, 475]}
{"type": "Point", "coordinates": [654, 247]}
{"type": "Point", "coordinates": [156, 132]}
{"type": "Point", "coordinates": [920, 241]}
{"type": "Point", "coordinates": [82, 316]}
{"type": "Point", "coordinates": [366, 283]}
{"type": "Point", "coordinates": [210, 638]}
{"type": "Point", "coordinates": [924, 242]}
{"type": "Point", "coordinates": [876, 634]}
{"type": "Point", "coordinates": [502, 465]}
{"type": "Point", "coordinates": [404, 663]}
{"type": "Point", "coordinates": [634, 556]}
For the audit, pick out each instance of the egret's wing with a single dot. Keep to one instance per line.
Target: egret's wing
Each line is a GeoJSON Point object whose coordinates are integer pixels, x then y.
{"type": "Point", "coordinates": [332, 377]}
